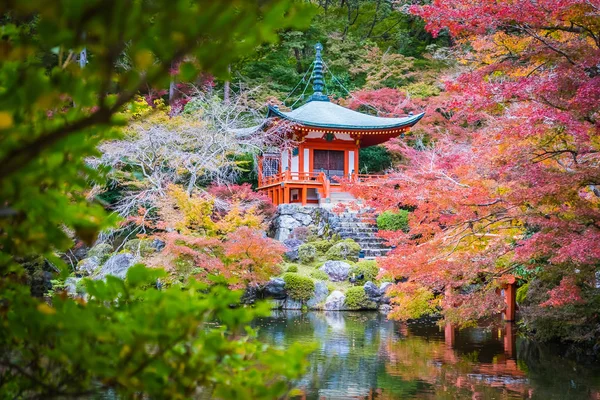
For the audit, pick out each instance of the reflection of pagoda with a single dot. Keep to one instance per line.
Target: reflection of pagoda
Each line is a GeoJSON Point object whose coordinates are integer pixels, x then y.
{"type": "Point", "coordinates": [330, 137]}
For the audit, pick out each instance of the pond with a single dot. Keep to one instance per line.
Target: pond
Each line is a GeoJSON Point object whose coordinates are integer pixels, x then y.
{"type": "Point", "coordinates": [362, 355]}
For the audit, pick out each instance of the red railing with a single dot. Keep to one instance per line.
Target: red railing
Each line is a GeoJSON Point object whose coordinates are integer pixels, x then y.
{"type": "Point", "coordinates": [288, 176]}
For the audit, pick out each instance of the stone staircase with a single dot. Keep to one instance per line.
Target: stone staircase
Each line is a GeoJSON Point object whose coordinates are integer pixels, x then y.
{"type": "Point", "coordinates": [360, 228]}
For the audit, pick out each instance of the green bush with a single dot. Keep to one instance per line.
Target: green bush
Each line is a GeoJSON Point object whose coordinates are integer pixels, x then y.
{"type": "Point", "coordinates": [345, 250]}
{"type": "Point", "coordinates": [322, 245]}
{"type": "Point", "coordinates": [393, 221]}
{"type": "Point", "coordinates": [143, 246]}
{"type": "Point", "coordinates": [356, 299]}
{"type": "Point", "coordinates": [374, 159]}
{"type": "Point", "coordinates": [307, 253]}
{"type": "Point", "coordinates": [369, 268]}
{"type": "Point", "coordinates": [292, 268]}
{"type": "Point", "coordinates": [319, 275]}
{"type": "Point", "coordinates": [102, 251]}
{"type": "Point", "coordinates": [298, 287]}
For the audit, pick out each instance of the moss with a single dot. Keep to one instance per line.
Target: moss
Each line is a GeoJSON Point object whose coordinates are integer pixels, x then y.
{"type": "Point", "coordinates": [298, 287]}
{"type": "Point", "coordinates": [102, 251]}
{"type": "Point", "coordinates": [368, 268]}
{"type": "Point", "coordinates": [292, 268]}
{"type": "Point", "coordinates": [144, 246]}
{"type": "Point", "coordinates": [356, 299]}
{"type": "Point", "coordinates": [307, 253]}
{"type": "Point", "coordinates": [345, 250]}
{"type": "Point", "coordinates": [80, 286]}
{"type": "Point", "coordinates": [322, 245]}
{"type": "Point", "coordinates": [319, 275]}
{"type": "Point", "coordinates": [393, 221]}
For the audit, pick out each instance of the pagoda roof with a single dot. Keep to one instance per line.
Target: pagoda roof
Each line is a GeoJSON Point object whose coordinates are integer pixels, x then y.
{"type": "Point", "coordinates": [324, 114]}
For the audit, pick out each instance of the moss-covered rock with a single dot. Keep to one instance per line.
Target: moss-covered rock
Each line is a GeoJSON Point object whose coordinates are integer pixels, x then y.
{"type": "Point", "coordinates": [356, 299]}
{"type": "Point", "coordinates": [307, 253]}
{"type": "Point", "coordinates": [347, 249]}
{"type": "Point", "coordinates": [367, 268]}
{"type": "Point", "coordinates": [298, 287]}
{"type": "Point", "coordinates": [101, 251]}
{"type": "Point", "coordinates": [322, 245]}
{"type": "Point", "coordinates": [142, 246]}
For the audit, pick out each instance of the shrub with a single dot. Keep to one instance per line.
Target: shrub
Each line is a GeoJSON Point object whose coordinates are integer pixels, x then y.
{"type": "Point", "coordinates": [292, 268]}
{"type": "Point", "coordinates": [345, 250]}
{"type": "Point", "coordinates": [143, 246]}
{"type": "Point", "coordinates": [393, 221]}
{"type": "Point", "coordinates": [356, 299]}
{"type": "Point", "coordinates": [322, 246]}
{"type": "Point", "coordinates": [307, 253]}
{"type": "Point", "coordinates": [102, 251]}
{"type": "Point", "coordinates": [368, 268]}
{"type": "Point", "coordinates": [319, 275]}
{"type": "Point", "coordinates": [298, 287]}
{"type": "Point", "coordinates": [300, 233]}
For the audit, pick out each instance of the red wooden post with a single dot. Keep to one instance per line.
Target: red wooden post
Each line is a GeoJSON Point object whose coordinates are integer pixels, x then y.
{"type": "Point", "coordinates": [304, 195]}
{"type": "Point", "coordinates": [449, 335]}
{"type": "Point", "coordinates": [286, 195]}
{"type": "Point", "coordinates": [510, 297]}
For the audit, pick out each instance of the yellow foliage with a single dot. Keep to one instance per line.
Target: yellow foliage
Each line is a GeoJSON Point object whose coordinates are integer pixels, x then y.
{"type": "Point", "coordinates": [237, 218]}
{"type": "Point", "coordinates": [196, 212]}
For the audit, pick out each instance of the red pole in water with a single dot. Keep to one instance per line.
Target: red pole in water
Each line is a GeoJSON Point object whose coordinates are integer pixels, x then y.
{"type": "Point", "coordinates": [510, 297]}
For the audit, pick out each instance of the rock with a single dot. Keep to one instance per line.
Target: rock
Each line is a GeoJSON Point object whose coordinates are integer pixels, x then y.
{"type": "Point", "coordinates": [372, 291]}
{"type": "Point", "coordinates": [291, 304]}
{"type": "Point", "coordinates": [275, 289]}
{"type": "Point", "coordinates": [335, 301]}
{"type": "Point", "coordinates": [385, 309]}
{"type": "Point", "coordinates": [320, 295]}
{"type": "Point", "coordinates": [249, 296]}
{"type": "Point", "coordinates": [117, 265]}
{"type": "Point", "coordinates": [287, 209]}
{"type": "Point", "coordinates": [304, 219]}
{"type": "Point", "coordinates": [382, 289]}
{"type": "Point", "coordinates": [71, 286]}
{"type": "Point", "coordinates": [88, 265]}
{"type": "Point", "coordinates": [292, 248]}
{"type": "Point", "coordinates": [157, 244]}
{"type": "Point", "coordinates": [336, 270]}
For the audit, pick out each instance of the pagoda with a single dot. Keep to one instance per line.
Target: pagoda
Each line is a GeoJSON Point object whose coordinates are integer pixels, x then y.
{"type": "Point", "coordinates": [327, 140]}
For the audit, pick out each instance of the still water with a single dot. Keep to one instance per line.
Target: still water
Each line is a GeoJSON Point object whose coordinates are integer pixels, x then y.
{"type": "Point", "coordinates": [365, 356]}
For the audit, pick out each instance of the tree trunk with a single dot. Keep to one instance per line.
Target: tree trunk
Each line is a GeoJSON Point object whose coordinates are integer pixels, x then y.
{"type": "Point", "coordinates": [227, 87]}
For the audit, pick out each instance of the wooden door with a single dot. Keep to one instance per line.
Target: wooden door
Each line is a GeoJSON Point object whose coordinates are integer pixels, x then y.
{"type": "Point", "coordinates": [329, 161]}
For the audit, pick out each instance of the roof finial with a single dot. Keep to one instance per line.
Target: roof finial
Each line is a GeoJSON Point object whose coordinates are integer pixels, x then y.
{"type": "Point", "coordinates": [318, 82]}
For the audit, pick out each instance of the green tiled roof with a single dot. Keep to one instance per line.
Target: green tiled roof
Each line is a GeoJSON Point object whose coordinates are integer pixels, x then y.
{"type": "Point", "coordinates": [324, 114]}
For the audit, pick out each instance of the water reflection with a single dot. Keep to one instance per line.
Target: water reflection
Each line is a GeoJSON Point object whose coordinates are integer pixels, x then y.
{"type": "Point", "coordinates": [365, 356]}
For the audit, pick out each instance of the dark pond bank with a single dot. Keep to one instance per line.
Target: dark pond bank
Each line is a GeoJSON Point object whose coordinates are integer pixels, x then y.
{"type": "Point", "coordinates": [365, 356]}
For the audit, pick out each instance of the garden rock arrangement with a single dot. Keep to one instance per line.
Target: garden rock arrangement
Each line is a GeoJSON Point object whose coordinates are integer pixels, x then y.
{"type": "Point", "coordinates": [336, 270]}
{"type": "Point", "coordinates": [290, 217]}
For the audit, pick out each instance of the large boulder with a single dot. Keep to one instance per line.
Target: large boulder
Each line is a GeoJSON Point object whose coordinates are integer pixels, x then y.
{"type": "Point", "coordinates": [117, 265]}
{"type": "Point", "coordinates": [321, 292]}
{"type": "Point", "coordinates": [347, 249]}
{"type": "Point", "coordinates": [275, 289]}
{"type": "Point", "coordinates": [292, 246]}
{"type": "Point", "coordinates": [88, 266]}
{"type": "Point", "coordinates": [372, 291]}
{"type": "Point", "coordinates": [287, 209]}
{"type": "Point", "coordinates": [336, 270]}
{"type": "Point", "coordinates": [383, 289]}
{"type": "Point", "coordinates": [71, 286]}
{"type": "Point", "coordinates": [335, 301]}
{"type": "Point", "coordinates": [101, 250]}
{"type": "Point", "coordinates": [249, 295]}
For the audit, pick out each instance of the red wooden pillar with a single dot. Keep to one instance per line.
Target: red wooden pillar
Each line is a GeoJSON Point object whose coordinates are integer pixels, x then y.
{"type": "Point", "coordinates": [304, 195]}
{"type": "Point", "coordinates": [449, 335]}
{"type": "Point", "coordinates": [510, 297]}
{"type": "Point", "coordinates": [510, 340]}
{"type": "Point", "coordinates": [286, 195]}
